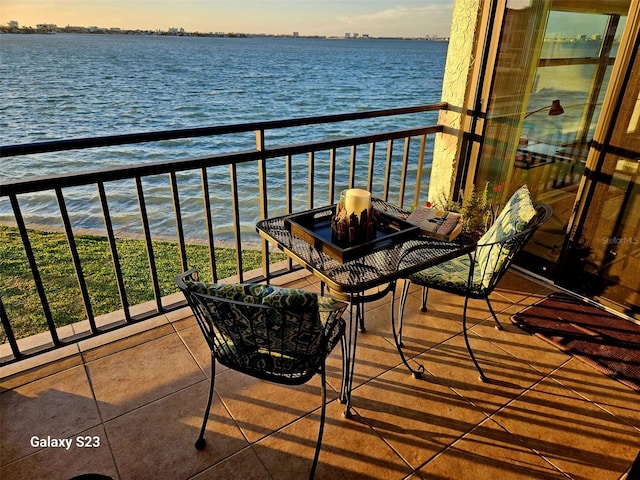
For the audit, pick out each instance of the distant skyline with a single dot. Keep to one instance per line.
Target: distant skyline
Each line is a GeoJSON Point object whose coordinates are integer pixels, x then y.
{"type": "Point", "coordinates": [380, 18]}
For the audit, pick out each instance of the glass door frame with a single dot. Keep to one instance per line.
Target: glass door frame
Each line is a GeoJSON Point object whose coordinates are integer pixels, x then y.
{"type": "Point", "coordinates": [481, 87]}
{"type": "Point", "coordinates": [610, 146]}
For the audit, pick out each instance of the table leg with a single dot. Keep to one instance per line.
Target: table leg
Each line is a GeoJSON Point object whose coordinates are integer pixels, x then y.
{"type": "Point", "coordinates": [483, 377]}
{"type": "Point", "coordinates": [355, 314]}
{"type": "Point", "coordinates": [397, 335]}
{"type": "Point", "coordinates": [356, 324]}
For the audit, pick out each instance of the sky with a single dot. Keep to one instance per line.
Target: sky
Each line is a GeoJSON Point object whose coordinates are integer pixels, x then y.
{"type": "Point", "coordinates": [398, 18]}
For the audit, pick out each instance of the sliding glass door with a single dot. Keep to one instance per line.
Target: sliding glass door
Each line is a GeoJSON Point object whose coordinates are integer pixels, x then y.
{"type": "Point", "coordinates": [601, 258]}
{"type": "Point", "coordinates": [547, 97]}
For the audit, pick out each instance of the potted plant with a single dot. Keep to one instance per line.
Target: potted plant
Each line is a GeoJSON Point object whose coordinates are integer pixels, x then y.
{"type": "Point", "coordinates": [476, 211]}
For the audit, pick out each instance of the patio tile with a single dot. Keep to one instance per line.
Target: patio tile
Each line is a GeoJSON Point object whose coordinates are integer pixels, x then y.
{"type": "Point", "coordinates": [52, 463]}
{"type": "Point", "coordinates": [507, 375]}
{"type": "Point", "coordinates": [244, 464]}
{"type": "Point", "coordinates": [576, 436]}
{"type": "Point", "coordinates": [516, 286]}
{"type": "Point", "coordinates": [260, 408]}
{"type": "Point", "coordinates": [136, 376]}
{"type": "Point", "coordinates": [11, 377]}
{"type": "Point", "coordinates": [157, 440]}
{"type": "Point", "coordinates": [532, 350]}
{"type": "Point", "coordinates": [350, 450]}
{"type": "Point", "coordinates": [542, 413]}
{"type": "Point", "coordinates": [607, 393]}
{"type": "Point", "coordinates": [489, 452]}
{"type": "Point", "coordinates": [100, 347]}
{"type": "Point", "coordinates": [181, 318]}
{"type": "Point", "coordinates": [199, 349]}
{"type": "Point", "coordinates": [423, 330]}
{"type": "Point", "coordinates": [417, 417]}
{"type": "Point", "coordinates": [58, 406]}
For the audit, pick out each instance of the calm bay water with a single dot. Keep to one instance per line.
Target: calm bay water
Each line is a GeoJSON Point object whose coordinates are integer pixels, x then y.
{"type": "Point", "coordinates": [71, 86]}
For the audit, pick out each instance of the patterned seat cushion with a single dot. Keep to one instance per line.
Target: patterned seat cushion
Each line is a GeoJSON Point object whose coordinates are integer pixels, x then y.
{"type": "Point", "coordinates": [515, 217]}
{"type": "Point", "coordinates": [284, 340]}
{"type": "Point", "coordinates": [452, 274]}
{"type": "Point", "coordinates": [490, 254]}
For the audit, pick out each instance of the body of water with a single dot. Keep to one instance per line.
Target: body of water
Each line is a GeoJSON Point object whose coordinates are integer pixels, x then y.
{"type": "Point", "coordinates": [71, 86]}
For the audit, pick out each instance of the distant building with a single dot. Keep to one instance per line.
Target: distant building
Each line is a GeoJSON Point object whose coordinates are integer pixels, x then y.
{"type": "Point", "coordinates": [296, 34]}
{"type": "Point", "coordinates": [47, 27]}
{"type": "Point", "coordinates": [13, 24]}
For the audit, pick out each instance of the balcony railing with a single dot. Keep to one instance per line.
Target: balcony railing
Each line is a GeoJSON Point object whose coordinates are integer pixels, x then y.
{"type": "Point", "coordinates": [309, 174]}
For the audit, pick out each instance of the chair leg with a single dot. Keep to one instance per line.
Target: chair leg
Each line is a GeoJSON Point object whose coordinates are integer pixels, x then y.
{"type": "Point", "coordinates": [345, 371]}
{"type": "Point", "coordinates": [425, 293]}
{"type": "Point", "coordinates": [495, 319]}
{"type": "Point", "coordinates": [397, 336]}
{"type": "Point", "coordinates": [323, 412]}
{"type": "Point", "coordinates": [201, 442]}
{"type": "Point", "coordinates": [483, 378]}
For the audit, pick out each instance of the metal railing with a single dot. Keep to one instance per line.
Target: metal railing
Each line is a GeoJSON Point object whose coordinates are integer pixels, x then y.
{"type": "Point", "coordinates": [398, 178]}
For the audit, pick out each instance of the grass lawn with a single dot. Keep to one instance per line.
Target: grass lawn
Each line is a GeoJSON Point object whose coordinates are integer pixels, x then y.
{"type": "Point", "coordinates": [53, 258]}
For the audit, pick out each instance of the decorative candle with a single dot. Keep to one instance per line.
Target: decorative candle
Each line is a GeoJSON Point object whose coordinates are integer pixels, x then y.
{"type": "Point", "coordinates": [353, 221]}
{"type": "Point", "coordinates": [356, 201]}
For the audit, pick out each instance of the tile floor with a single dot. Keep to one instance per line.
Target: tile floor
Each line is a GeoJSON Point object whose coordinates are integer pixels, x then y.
{"type": "Point", "coordinates": [137, 404]}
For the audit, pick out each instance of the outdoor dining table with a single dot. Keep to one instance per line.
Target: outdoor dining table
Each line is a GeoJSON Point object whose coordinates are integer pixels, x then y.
{"type": "Point", "coordinates": [363, 273]}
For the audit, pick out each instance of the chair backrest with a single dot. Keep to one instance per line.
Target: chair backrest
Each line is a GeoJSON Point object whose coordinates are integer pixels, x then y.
{"type": "Point", "coordinates": [269, 332]}
{"type": "Point", "coordinates": [507, 236]}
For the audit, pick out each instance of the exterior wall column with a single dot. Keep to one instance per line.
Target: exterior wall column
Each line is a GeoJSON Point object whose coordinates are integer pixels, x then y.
{"type": "Point", "coordinates": [456, 92]}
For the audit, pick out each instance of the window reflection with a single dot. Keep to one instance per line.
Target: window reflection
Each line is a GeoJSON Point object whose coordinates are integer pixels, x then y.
{"type": "Point", "coordinates": [545, 56]}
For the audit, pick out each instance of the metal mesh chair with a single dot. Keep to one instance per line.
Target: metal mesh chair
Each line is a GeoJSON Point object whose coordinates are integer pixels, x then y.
{"type": "Point", "coordinates": [282, 335]}
{"type": "Point", "coordinates": [476, 275]}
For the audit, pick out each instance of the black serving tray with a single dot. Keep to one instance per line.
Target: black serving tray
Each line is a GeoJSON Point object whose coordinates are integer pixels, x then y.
{"type": "Point", "coordinates": [314, 227]}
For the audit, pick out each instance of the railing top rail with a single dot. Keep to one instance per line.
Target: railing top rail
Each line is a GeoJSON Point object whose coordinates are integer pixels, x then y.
{"type": "Point", "coordinates": [144, 137]}
{"type": "Point", "coordinates": [34, 184]}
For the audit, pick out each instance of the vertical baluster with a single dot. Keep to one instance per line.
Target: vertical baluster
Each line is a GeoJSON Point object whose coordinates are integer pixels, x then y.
{"type": "Point", "coordinates": [289, 189]}
{"type": "Point", "coordinates": [262, 186]}
{"type": "Point", "coordinates": [352, 167]}
{"type": "Point", "coordinates": [115, 258]}
{"type": "Point", "coordinates": [233, 174]}
{"type": "Point", "coordinates": [332, 176]}
{"type": "Point", "coordinates": [76, 259]}
{"type": "Point", "coordinates": [387, 171]}
{"type": "Point", "coordinates": [209, 224]}
{"type": "Point", "coordinates": [372, 156]}
{"type": "Point", "coordinates": [28, 250]}
{"type": "Point", "coordinates": [403, 175]}
{"type": "Point", "coordinates": [179, 226]}
{"type": "Point", "coordinates": [310, 179]}
{"type": "Point", "coordinates": [8, 331]}
{"type": "Point", "coordinates": [419, 170]}
{"type": "Point", "coordinates": [144, 217]}
{"type": "Point", "coordinates": [288, 183]}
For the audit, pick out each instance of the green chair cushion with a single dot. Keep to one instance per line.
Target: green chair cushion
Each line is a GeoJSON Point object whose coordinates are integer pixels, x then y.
{"type": "Point", "coordinates": [453, 274]}
{"type": "Point", "coordinates": [515, 217]}
{"type": "Point", "coordinates": [490, 254]}
{"type": "Point", "coordinates": [309, 313]}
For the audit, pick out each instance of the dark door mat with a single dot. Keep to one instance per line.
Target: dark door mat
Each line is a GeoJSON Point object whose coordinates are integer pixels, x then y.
{"type": "Point", "coordinates": [605, 341]}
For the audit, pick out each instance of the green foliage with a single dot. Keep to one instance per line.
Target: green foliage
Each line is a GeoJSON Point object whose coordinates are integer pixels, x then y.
{"type": "Point", "coordinates": [55, 265]}
{"type": "Point", "coordinates": [475, 209]}
{"type": "Point", "coordinates": [476, 212]}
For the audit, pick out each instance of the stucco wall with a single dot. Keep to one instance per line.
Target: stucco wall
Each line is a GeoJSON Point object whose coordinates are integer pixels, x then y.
{"type": "Point", "coordinates": [460, 58]}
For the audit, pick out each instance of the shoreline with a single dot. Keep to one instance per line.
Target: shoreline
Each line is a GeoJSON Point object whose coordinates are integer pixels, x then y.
{"type": "Point", "coordinates": [96, 232]}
